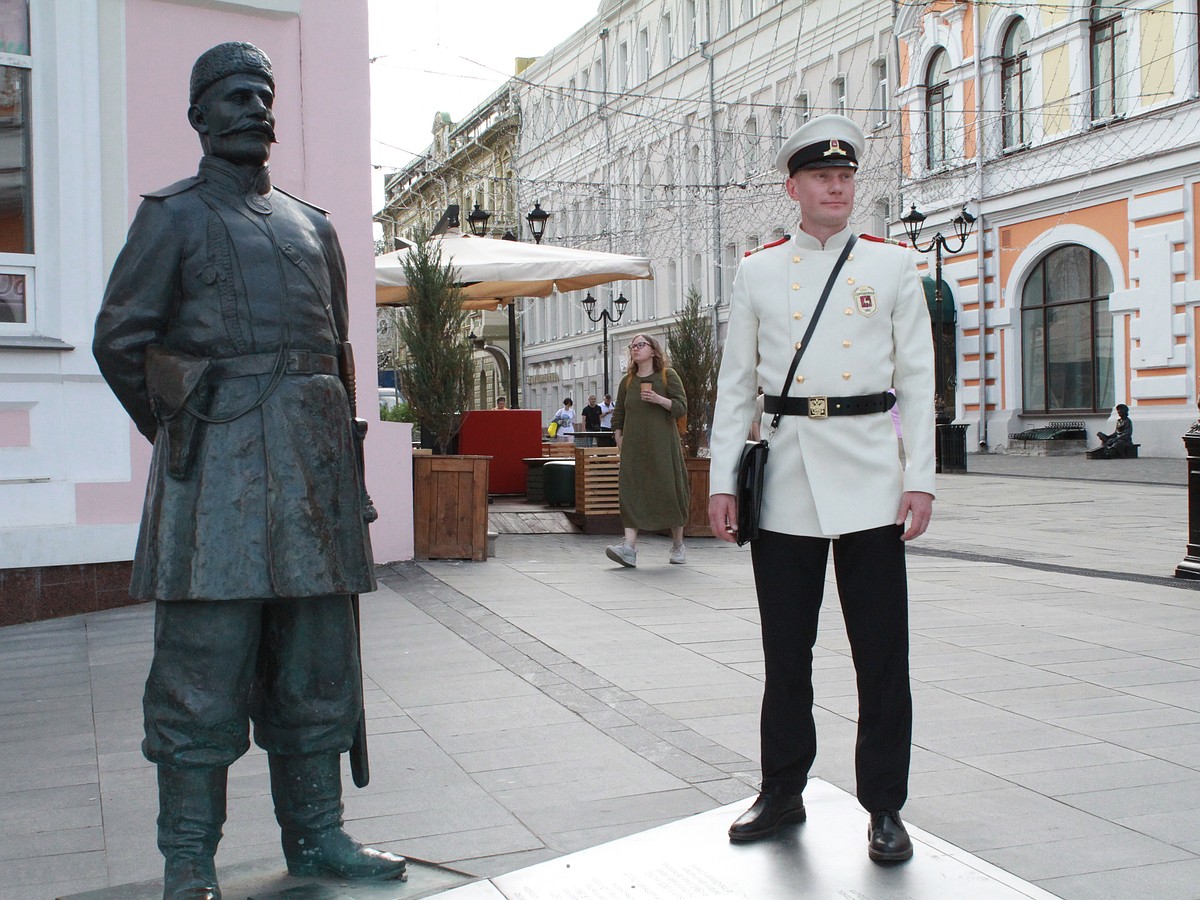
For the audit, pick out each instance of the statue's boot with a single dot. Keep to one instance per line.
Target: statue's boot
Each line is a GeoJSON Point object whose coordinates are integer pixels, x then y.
{"type": "Point", "coordinates": [307, 790]}
{"type": "Point", "coordinates": [191, 811]}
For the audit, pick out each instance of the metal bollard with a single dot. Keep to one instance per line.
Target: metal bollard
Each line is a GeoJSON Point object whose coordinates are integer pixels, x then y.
{"type": "Point", "coordinates": [1190, 567]}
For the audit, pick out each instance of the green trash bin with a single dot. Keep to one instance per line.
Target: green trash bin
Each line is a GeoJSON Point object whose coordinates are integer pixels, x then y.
{"type": "Point", "coordinates": [558, 479]}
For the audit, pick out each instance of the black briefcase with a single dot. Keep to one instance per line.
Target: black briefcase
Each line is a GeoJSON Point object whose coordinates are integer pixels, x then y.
{"type": "Point", "coordinates": [751, 469]}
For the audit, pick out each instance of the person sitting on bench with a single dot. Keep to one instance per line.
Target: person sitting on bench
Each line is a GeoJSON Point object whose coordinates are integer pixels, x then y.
{"type": "Point", "coordinates": [1119, 444]}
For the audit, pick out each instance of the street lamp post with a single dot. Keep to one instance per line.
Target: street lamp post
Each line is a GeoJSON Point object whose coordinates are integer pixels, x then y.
{"type": "Point", "coordinates": [963, 223]}
{"type": "Point", "coordinates": [606, 316]}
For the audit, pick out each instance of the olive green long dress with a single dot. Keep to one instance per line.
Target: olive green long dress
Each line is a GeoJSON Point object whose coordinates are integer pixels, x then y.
{"type": "Point", "coordinates": [654, 482]}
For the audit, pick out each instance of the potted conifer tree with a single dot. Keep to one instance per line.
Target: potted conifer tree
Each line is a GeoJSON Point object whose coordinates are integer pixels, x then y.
{"type": "Point", "coordinates": [449, 492]}
{"type": "Point", "coordinates": [692, 347]}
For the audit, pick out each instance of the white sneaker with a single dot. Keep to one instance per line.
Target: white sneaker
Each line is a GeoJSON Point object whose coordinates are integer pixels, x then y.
{"type": "Point", "coordinates": [622, 553]}
{"type": "Point", "coordinates": [678, 555]}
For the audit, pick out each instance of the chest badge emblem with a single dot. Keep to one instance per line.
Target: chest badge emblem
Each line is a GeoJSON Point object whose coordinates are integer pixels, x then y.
{"type": "Point", "coordinates": [864, 300]}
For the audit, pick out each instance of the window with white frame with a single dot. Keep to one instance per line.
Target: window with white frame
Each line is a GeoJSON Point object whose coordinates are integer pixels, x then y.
{"type": "Point", "coordinates": [749, 10]}
{"type": "Point", "coordinates": [750, 146]}
{"type": "Point", "coordinates": [16, 173]}
{"type": "Point", "coordinates": [668, 41]}
{"type": "Point", "coordinates": [644, 60]}
{"type": "Point", "coordinates": [623, 79]}
{"type": "Point", "coordinates": [803, 112]}
{"type": "Point", "coordinates": [937, 96]}
{"type": "Point", "coordinates": [883, 91]}
{"type": "Point", "coordinates": [725, 16]}
{"type": "Point", "coordinates": [839, 94]}
{"type": "Point", "coordinates": [693, 166]}
{"type": "Point", "coordinates": [1108, 64]}
{"type": "Point", "coordinates": [1014, 85]}
{"type": "Point", "coordinates": [690, 23]}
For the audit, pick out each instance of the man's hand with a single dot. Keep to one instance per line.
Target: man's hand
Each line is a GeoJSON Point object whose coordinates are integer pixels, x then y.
{"type": "Point", "coordinates": [919, 505]}
{"type": "Point", "coordinates": [722, 516]}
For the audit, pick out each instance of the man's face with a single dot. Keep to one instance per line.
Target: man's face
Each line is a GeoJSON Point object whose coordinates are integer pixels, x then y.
{"type": "Point", "coordinates": [826, 196]}
{"type": "Point", "coordinates": [234, 119]}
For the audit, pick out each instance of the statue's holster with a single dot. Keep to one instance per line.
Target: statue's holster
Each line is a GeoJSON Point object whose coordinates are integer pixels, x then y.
{"type": "Point", "coordinates": [178, 387]}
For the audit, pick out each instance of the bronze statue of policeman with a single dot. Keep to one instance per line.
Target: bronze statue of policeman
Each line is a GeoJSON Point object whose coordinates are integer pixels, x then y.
{"type": "Point", "coordinates": [221, 334]}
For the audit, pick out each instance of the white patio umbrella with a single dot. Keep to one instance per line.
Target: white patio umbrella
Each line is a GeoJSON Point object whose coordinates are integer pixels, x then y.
{"type": "Point", "coordinates": [493, 271]}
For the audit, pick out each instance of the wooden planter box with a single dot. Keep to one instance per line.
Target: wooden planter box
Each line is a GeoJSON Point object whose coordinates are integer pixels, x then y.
{"type": "Point", "coordinates": [697, 523]}
{"type": "Point", "coordinates": [450, 507]}
{"type": "Point", "coordinates": [597, 499]}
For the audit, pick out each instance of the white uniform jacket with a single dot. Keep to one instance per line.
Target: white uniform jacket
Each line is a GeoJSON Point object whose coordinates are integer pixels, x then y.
{"type": "Point", "coordinates": [827, 477]}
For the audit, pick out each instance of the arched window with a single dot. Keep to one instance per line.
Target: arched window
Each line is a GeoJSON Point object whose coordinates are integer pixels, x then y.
{"type": "Point", "coordinates": [1108, 59]}
{"type": "Point", "coordinates": [937, 94]}
{"type": "Point", "coordinates": [1014, 85]}
{"type": "Point", "coordinates": [1066, 333]}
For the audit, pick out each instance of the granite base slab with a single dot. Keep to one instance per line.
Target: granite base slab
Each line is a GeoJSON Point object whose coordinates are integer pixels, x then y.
{"type": "Point", "coordinates": [693, 859]}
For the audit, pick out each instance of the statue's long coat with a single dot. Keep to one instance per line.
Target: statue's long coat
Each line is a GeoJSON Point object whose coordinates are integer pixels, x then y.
{"type": "Point", "coordinates": [272, 506]}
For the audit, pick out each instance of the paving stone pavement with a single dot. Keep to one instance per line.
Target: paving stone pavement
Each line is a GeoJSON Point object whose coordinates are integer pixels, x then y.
{"type": "Point", "coordinates": [548, 701]}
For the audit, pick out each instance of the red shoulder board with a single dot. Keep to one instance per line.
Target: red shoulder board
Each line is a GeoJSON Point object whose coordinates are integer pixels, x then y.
{"type": "Point", "coordinates": [782, 240]}
{"type": "Point", "coordinates": [882, 240]}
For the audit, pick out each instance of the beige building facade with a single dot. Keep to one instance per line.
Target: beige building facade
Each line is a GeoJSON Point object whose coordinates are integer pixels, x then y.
{"type": "Point", "coordinates": [1072, 133]}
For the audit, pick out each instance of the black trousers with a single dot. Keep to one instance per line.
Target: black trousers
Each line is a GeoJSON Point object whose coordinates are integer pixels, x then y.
{"type": "Point", "coordinates": [789, 575]}
{"type": "Point", "coordinates": [291, 666]}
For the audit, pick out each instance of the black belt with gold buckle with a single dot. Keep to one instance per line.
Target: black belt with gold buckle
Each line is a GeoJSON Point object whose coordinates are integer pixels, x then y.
{"type": "Point", "coordinates": [824, 407]}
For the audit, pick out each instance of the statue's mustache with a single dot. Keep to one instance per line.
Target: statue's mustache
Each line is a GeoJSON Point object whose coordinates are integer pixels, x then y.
{"type": "Point", "coordinates": [263, 128]}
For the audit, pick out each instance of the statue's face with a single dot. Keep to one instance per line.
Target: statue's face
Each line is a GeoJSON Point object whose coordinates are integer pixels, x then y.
{"type": "Point", "coordinates": [235, 120]}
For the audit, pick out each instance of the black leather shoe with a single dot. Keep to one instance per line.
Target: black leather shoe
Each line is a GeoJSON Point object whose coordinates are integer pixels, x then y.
{"type": "Point", "coordinates": [773, 808]}
{"type": "Point", "coordinates": [887, 841]}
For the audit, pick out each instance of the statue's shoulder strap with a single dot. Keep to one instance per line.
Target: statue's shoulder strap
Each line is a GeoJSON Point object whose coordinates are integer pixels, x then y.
{"type": "Point", "coordinates": [301, 200]}
{"type": "Point", "coordinates": [177, 188]}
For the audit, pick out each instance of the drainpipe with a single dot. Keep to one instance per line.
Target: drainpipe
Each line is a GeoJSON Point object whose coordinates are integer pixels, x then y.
{"type": "Point", "coordinates": [981, 234]}
{"type": "Point", "coordinates": [718, 275]}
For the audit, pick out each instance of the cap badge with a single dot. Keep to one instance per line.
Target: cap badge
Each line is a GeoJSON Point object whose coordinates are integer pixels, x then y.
{"type": "Point", "coordinates": [835, 148]}
{"type": "Point", "coordinates": [864, 299]}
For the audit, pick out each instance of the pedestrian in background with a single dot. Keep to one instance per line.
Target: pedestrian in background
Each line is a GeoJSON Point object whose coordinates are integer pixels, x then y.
{"type": "Point", "coordinates": [591, 415]}
{"type": "Point", "coordinates": [653, 481]}
{"type": "Point", "coordinates": [606, 410]}
{"type": "Point", "coordinates": [565, 420]}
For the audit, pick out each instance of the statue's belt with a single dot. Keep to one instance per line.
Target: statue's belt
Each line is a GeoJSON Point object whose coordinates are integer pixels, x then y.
{"type": "Point", "coordinates": [298, 362]}
{"type": "Point", "coordinates": [823, 407]}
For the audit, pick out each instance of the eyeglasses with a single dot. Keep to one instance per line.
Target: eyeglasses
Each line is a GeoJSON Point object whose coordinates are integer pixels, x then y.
{"type": "Point", "coordinates": [638, 345]}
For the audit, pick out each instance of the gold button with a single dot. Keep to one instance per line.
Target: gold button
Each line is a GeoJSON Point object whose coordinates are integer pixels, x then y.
{"type": "Point", "coordinates": [846, 375]}
{"type": "Point", "coordinates": [795, 259]}
{"type": "Point", "coordinates": [850, 280]}
{"type": "Point", "coordinates": [797, 315]}
{"type": "Point", "coordinates": [846, 344]}
{"type": "Point", "coordinates": [798, 345]}
{"type": "Point", "coordinates": [795, 285]}
{"type": "Point", "coordinates": [799, 379]}
{"type": "Point", "coordinates": [849, 311]}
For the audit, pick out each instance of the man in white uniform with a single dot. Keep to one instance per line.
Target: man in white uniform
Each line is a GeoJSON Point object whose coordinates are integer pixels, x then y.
{"type": "Point", "coordinates": [833, 475]}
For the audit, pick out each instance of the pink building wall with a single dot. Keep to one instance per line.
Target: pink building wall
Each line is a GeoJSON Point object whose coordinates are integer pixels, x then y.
{"type": "Point", "coordinates": [320, 60]}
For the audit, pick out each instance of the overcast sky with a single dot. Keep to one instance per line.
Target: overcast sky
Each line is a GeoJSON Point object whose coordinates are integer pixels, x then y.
{"type": "Point", "coordinates": [435, 56]}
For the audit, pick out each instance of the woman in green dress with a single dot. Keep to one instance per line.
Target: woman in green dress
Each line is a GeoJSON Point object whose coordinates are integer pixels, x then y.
{"type": "Point", "coordinates": [654, 482]}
